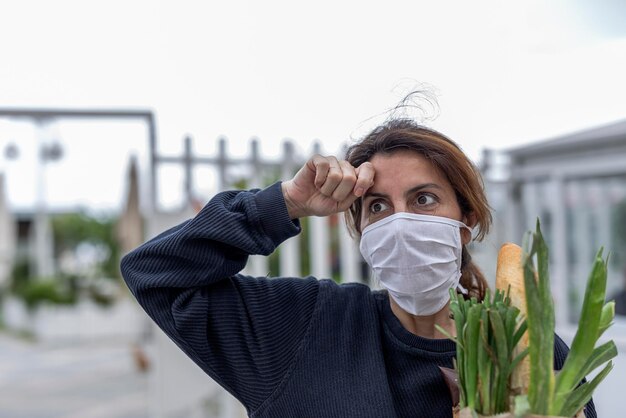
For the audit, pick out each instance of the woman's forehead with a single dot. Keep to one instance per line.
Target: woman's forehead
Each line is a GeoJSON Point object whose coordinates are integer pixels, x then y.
{"type": "Point", "coordinates": [405, 165]}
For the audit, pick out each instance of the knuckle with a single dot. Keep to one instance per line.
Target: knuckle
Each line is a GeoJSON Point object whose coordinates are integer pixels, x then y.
{"type": "Point", "coordinates": [319, 159]}
{"type": "Point", "coordinates": [350, 178]}
{"type": "Point", "coordinates": [334, 175]}
{"type": "Point", "coordinates": [322, 164]}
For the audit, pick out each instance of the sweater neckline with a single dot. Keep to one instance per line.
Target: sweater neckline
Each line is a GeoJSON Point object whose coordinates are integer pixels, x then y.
{"type": "Point", "coordinates": [439, 346]}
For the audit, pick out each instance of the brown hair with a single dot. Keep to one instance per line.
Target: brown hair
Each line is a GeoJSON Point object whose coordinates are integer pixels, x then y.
{"type": "Point", "coordinates": [465, 178]}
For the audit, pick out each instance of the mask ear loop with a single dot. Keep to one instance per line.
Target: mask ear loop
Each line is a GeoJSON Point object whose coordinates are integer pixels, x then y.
{"type": "Point", "coordinates": [469, 229]}
{"type": "Point", "coordinates": [462, 289]}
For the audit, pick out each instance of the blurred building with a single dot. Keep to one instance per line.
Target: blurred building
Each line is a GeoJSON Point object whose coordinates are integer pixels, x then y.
{"type": "Point", "coordinates": [7, 238]}
{"type": "Point", "coordinates": [24, 236]}
{"type": "Point", "coordinates": [129, 229]}
{"type": "Point", "coordinates": [576, 185]}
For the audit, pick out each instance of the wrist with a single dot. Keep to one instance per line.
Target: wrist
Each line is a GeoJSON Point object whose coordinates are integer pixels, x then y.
{"type": "Point", "coordinates": [273, 216]}
{"type": "Point", "coordinates": [293, 209]}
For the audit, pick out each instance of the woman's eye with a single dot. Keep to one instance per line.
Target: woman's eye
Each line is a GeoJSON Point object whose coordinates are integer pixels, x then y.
{"type": "Point", "coordinates": [425, 200]}
{"type": "Point", "coordinates": [377, 207]}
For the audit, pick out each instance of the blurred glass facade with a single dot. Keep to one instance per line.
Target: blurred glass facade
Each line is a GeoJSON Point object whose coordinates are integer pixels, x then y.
{"type": "Point", "coordinates": [576, 186]}
{"type": "Point", "coordinates": [596, 217]}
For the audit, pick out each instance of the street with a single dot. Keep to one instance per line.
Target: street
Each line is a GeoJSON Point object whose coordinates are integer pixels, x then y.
{"type": "Point", "coordinates": [89, 380]}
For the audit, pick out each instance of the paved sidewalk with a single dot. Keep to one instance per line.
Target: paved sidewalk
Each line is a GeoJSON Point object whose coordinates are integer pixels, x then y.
{"type": "Point", "coordinates": [94, 380]}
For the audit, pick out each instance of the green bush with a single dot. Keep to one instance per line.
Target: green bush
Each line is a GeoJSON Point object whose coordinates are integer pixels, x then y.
{"type": "Point", "coordinates": [51, 290]}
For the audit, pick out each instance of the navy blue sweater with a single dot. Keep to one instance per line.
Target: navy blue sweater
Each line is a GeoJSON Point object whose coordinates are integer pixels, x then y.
{"type": "Point", "coordinates": [285, 347]}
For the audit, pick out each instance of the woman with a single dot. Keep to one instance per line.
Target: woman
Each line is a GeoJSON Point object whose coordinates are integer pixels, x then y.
{"type": "Point", "coordinates": [294, 347]}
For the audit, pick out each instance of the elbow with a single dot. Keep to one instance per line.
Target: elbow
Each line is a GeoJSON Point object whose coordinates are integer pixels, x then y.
{"type": "Point", "coordinates": [130, 272]}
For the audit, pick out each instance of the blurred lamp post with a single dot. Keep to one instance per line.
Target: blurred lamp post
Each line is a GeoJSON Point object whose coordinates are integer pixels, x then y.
{"type": "Point", "coordinates": [49, 150]}
{"type": "Point", "coordinates": [7, 237]}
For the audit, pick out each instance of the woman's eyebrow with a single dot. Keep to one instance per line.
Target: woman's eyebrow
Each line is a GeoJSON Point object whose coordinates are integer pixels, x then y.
{"type": "Point", "coordinates": [422, 187]}
{"type": "Point", "coordinates": [373, 194]}
{"type": "Point", "coordinates": [408, 192]}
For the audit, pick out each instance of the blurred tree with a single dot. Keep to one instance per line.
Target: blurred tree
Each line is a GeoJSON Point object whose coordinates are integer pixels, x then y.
{"type": "Point", "coordinates": [73, 231]}
{"type": "Point", "coordinates": [87, 254]}
{"type": "Point", "coordinates": [33, 291]}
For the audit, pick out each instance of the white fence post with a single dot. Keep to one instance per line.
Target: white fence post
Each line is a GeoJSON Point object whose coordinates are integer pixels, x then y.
{"type": "Point", "coordinates": [257, 264]}
{"type": "Point", "coordinates": [222, 163]}
{"type": "Point", "coordinates": [290, 249]}
{"type": "Point", "coordinates": [349, 254]}
{"type": "Point", "coordinates": [319, 241]}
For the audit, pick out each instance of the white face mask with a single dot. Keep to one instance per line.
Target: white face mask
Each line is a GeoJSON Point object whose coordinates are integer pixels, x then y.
{"type": "Point", "coordinates": [417, 258]}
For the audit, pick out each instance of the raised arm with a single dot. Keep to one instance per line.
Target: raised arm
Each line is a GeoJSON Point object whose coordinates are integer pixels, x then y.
{"type": "Point", "coordinates": [243, 331]}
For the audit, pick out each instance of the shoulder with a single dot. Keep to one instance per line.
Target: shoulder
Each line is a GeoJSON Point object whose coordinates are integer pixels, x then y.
{"type": "Point", "coordinates": [346, 297]}
{"type": "Point", "coordinates": [349, 290]}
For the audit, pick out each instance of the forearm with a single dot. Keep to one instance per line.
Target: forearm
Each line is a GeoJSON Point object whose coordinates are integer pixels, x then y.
{"type": "Point", "coordinates": [213, 245]}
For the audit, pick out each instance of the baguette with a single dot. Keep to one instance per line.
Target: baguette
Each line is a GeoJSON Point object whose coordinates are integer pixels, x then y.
{"type": "Point", "coordinates": [509, 272]}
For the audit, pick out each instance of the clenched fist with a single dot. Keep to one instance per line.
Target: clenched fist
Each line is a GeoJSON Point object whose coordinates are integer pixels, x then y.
{"type": "Point", "coordinates": [325, 185]}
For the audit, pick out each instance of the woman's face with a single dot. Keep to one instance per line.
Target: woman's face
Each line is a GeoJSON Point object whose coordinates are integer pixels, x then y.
{"type": "Point", "coordinates": [405, 181]}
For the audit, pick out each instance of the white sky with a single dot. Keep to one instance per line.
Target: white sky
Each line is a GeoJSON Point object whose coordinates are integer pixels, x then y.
{"type": "Point", "coordinates": [506, 73]}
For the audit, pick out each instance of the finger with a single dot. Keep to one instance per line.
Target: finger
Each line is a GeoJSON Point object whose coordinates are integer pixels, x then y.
{"type": "Point", "coordinates": [346, 185]}
{"type": "Point", "coordinates": [365, 178]}
{"type": "Point", "coordinates": [333, 178]}
{"type": "Point", "coordinates": [320, 165]}
{"type": "Point", "coordinates": [346, 203]}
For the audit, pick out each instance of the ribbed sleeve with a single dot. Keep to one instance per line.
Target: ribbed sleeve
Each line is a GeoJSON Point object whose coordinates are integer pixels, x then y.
{"type": "Point", "coordinates": [560, 354]}
{"type": "Point", "coordinates": [245, 332]}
